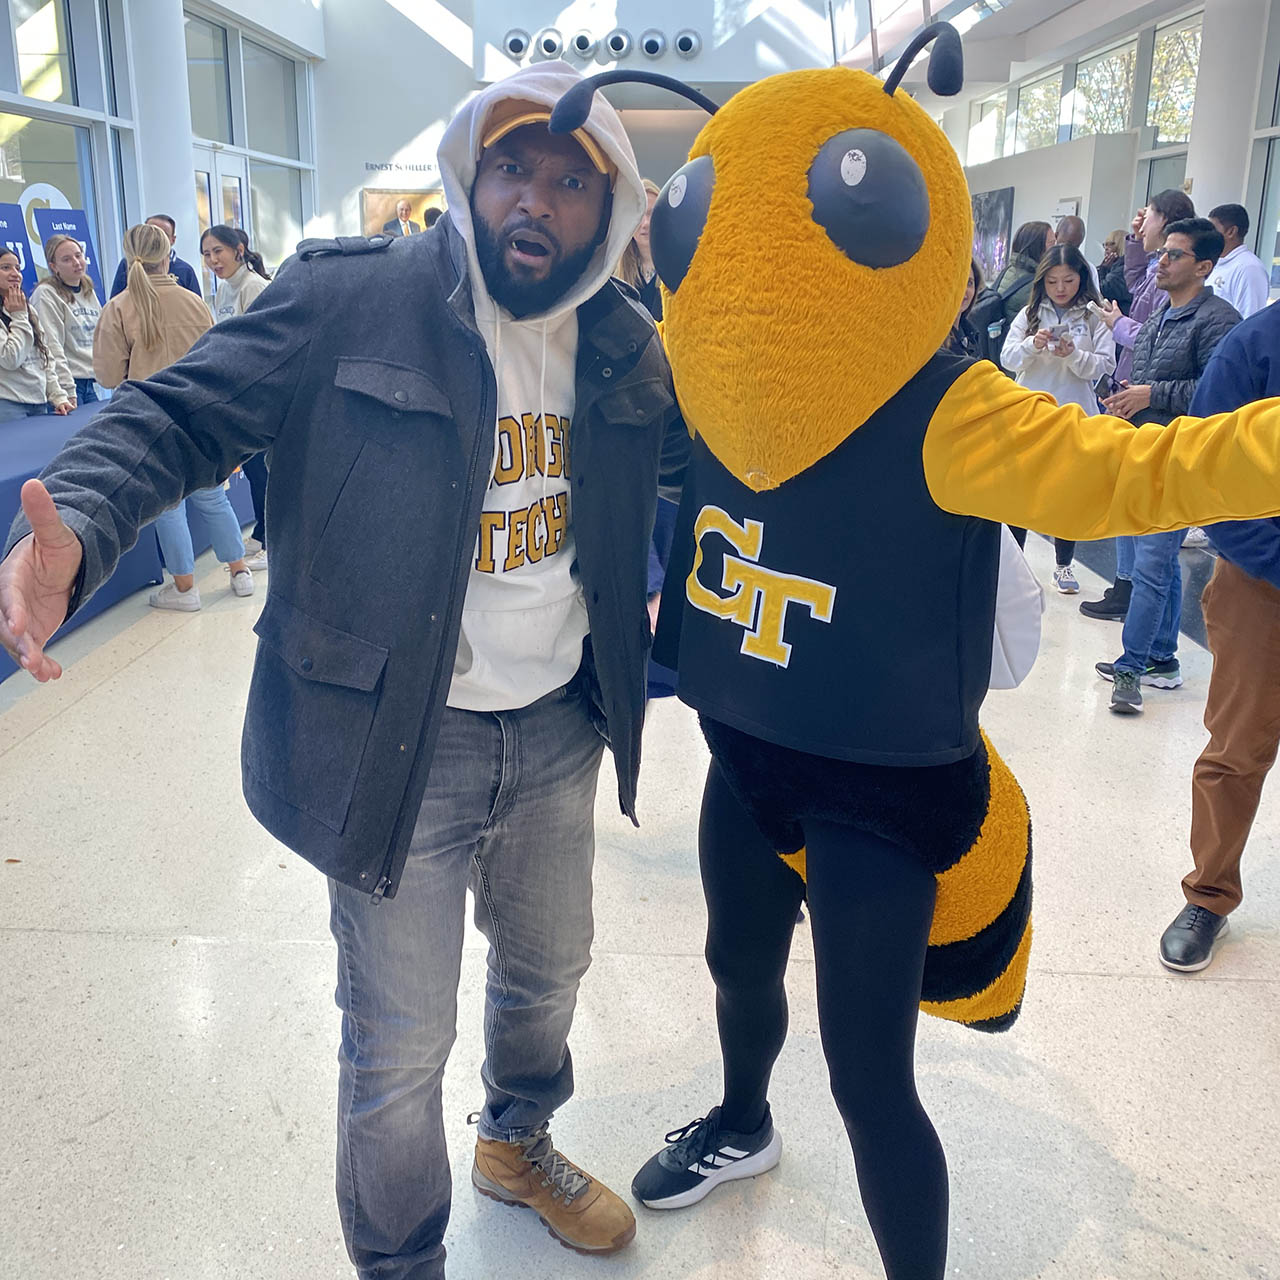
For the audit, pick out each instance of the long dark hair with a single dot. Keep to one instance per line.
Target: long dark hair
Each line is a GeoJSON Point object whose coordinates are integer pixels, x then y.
{"type": "Point", "coordinates": [1029, 240]}
{"type": "Point", "coordinates": [1061, 255]}
{"type": "Point", "coordinates": [234, 238]}
{"type": "Point", "coordinates": [31, 316]}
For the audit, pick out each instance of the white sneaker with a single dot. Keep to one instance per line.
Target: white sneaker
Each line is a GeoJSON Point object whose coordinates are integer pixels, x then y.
{"type": "Point", "coordinates": [257, 561]}
{"type": "Point", "coordinates": [169, 597]}
{"type": "Point", "coordinates": [242, 583]}
{"type": "Point", "coordinates": [1196, 537]}
{"type": "Point", "coordinates": [1064, 578]}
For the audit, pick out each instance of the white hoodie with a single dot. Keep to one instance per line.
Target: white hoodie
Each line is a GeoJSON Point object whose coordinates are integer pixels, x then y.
{"type": "Point", "coordinates": [524, 617]}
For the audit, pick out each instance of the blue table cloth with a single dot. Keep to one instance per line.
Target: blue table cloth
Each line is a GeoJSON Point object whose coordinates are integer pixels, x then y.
{"type": "Point", "coordinates": [26, 448]}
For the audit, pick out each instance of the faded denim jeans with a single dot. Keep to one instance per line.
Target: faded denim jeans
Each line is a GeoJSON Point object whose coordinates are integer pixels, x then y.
{"type": "Point", "coordinates": [508, 812]}
{"type": "Point", "coordinates": [1155, 608]}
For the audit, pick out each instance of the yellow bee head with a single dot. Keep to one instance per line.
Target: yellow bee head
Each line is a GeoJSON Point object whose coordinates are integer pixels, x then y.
{"type": "Point", "coordinates": [813, 256]}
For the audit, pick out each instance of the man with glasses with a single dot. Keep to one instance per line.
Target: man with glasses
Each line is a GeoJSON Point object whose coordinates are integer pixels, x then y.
{"type": "Point", "coordinates": [1172, 350]}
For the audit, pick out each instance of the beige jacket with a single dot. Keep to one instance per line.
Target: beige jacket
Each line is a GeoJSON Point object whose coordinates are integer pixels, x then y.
{"type": "Point", "coordinates": [24, 378]}
{"type": "Point", "coordinates": [118, 352]}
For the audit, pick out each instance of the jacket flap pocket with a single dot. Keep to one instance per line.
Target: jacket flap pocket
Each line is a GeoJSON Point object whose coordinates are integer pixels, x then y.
{"type": "Point", "coordinates": [395, 385]}
{"type": "Point", "coordinates": [639, 404]}
{"type": "Point", "coordinates": [317, 651]}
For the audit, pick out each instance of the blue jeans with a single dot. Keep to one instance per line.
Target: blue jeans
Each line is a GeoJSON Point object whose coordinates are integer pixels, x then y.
{"type": "Point", "coordinates": [12, 410]}
{"type": "Point", "coordinates": [509, 812]}
{"type": "Point", "coordinates": [1155, 608]}
{"type": "Point", "coordinates": [86, 391]}
{"type": "Point", "coordinates": [224, 529]}
{"type": "Point", "coordinates": [1124, 559]}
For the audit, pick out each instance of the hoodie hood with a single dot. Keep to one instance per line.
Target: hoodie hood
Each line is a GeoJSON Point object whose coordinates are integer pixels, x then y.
{"type": "Point", "coordinates": [542, 85]}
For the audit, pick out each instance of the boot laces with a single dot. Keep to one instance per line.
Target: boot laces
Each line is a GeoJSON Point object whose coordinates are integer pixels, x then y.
{"type": "Point", "coordinates": [557, 1173]}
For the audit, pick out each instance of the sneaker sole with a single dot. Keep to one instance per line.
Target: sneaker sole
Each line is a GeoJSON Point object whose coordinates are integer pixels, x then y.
{"type": "Point", "coordinates": [175, 608]}
{"type": "Point", "coordinates": [750, 1167]}
{"type": "Point", "coordinates": [1067, 591]}
{"type": "Point", "coordinates": [1151, 682]}
{"type": "Point", "coordinates": [1126, 709]}
{"type": "Point", "coordinates": [1203, 964]}
{"type": "Point", "coordinates": [1103, 617]}
{"type": "Point", "coordinates": [494, 1191]}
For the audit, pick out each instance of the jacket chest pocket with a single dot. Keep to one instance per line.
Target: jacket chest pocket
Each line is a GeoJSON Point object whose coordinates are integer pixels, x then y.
{"type": "Point", "coordinates": [641, 404]}
{"type": "Point", "coordinates": [315, 693]}
{"type": "Point", "coordinates": [390, 402]}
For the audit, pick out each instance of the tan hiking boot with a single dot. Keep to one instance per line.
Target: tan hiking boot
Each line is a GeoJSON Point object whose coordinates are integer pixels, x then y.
{"type": "Point", "coordinates": [580, 1212]}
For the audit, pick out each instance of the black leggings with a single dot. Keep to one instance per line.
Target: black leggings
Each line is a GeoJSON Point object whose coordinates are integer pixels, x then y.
{"type": "Point", "coordinates": [870, 906]}
{"type": "Point", "coordinates": [1064, 550]}
{"type": "Point", "coordinates": [255, 472]}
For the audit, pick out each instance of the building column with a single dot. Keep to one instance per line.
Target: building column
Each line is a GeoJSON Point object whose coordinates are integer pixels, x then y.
{"type": "Point", "coordinates": [1231, 49]}
{"type": "Point", "coordinates": [162, 112]}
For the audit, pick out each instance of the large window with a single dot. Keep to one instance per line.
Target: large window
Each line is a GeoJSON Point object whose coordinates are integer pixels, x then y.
{"type": "Point", "coordinates": [42, 165]}
{"type": "Point", "coordinates": [275, 197]}
{"type": "Point", "coordinates": [271, 101]}
{"type": "Point", "coordinates": [986, 129]}
{"type": "Point", "coordinates": [1173, 81]}
{"type": "Point", "coordinates": [44, 49]}
{"type": "Point", "coordinates": [208, 83]}
{"type": "Point", "coordinates": [1103, 98]}
{"type": "Point", "coordinates": [1039, 109]}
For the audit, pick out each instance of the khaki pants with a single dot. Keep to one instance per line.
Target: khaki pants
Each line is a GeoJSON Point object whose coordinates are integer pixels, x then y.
{"type": "Point", "coordinates": [1242, 714]}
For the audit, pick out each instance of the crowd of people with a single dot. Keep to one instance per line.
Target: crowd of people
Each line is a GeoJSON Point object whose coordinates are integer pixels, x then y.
{"type": "Point", "coordinates": [62, 345]}
{"type": "Point", "coordinates": [430, 706]}
{"type": "Point", "coordinates": [1173, 321]}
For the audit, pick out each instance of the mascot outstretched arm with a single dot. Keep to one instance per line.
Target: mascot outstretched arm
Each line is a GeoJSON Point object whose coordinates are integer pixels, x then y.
{"type": "Point", "coordinates": [831, 599]}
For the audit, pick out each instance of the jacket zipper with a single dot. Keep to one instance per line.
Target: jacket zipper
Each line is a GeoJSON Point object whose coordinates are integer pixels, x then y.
{"type": "Point", "coordinates": [384, 876]}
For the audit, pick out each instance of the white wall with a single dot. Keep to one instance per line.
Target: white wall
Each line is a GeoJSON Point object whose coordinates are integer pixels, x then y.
{"type": "Point", "coordinates": [383, 97]}
{"type": "Point", "coordinates": [1098, 170]}
{"type": "Point", "coordinates": [299, 23]}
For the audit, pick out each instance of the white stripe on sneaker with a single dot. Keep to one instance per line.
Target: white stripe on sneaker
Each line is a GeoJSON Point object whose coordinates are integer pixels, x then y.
{"type": "Point", "coordinates": [748, 1166]}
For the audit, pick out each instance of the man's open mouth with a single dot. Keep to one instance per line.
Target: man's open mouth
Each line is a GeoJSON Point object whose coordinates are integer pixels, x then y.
{"type": "Point", "coordinates": [529, 246]}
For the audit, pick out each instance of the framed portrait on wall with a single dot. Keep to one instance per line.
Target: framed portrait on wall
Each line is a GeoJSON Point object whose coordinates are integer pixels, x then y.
{"type": "Point", "coordinates": [381, 211]}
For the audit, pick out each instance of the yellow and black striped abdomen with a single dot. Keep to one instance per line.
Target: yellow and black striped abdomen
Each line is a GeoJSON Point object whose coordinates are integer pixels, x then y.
{"type": "Point", "coordinates": [976, 968]}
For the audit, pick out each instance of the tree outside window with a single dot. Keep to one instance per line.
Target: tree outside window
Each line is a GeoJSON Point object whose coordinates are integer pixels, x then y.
{"type": "Point", "coordinates": [1173, 82]}
{"type": "Point", "coordinates": [1039, 108]}
{"type": "Point", "coordinates": [1103, 96]}
{"type": "Point", "coordinates": [986, 130]}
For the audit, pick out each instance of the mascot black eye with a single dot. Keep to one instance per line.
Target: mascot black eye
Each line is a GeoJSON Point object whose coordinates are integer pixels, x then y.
{"type": "Point", "coordinates": [870, 197]}
{"type": "Point", "coordinates": [678, 218]}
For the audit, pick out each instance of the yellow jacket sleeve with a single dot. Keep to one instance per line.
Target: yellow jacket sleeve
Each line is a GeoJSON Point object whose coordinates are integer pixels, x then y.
{"type": "Point", "coordinates": [1002, 452]}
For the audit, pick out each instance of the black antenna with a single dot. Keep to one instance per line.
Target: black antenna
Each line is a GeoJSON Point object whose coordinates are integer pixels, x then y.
{"type": "Point", "coordinates": [946, 63]}
{"type": "Point", "coordinates": [572, 110]}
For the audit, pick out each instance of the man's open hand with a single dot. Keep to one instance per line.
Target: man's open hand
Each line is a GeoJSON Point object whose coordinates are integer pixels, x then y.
{"type": "Point", "coordinates": [35, 584]}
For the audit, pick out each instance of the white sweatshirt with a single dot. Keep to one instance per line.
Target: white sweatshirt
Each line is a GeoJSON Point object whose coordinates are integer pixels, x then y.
{"type": "Point", "coordinates": [23, 378]}
{"type": "Point", "coordinates": [1068, 379]}
{"type": "Point", "coordinates": [524, 618]}
{"type": "Point", "coordinates": [68, 333]}
{"type": "Point", "coordinates": [235, 296]}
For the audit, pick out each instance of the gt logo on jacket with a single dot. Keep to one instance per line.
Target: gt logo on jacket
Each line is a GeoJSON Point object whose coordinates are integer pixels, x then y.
{"type": "Point", "coordinates": [758, 597]}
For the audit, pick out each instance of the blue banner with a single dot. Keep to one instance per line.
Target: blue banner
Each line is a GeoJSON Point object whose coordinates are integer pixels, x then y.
{"type": "Point", "coordinates": [74, 223]}
{"type": "Point", "coordinates": [13, 235]}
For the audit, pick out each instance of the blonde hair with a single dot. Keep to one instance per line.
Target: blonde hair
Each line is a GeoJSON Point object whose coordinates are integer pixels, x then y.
{"type": "Point", "coordinates": [146, 249]}
{"type": "Point", "coordinates": [53, 280]}
{"type": "Point", "coordinates": [651, 187]}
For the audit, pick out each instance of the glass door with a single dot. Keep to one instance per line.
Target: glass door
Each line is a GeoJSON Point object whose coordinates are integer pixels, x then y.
{"type": "Point", "coordinates": [222, 196]}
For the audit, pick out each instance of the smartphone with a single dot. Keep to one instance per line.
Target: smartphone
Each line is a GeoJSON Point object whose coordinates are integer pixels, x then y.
{"type": "Point", "coordinates": [1105, 387]}
{"type": "Point", "coordinates": [1057, 331]}
{"type": "Point", "coordinates": [1093, 306]}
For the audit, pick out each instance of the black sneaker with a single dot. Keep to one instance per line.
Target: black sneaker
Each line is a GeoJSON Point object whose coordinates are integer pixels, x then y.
{"type": "Point", "coordinates": [701, 1156]}
{"type": "Point", "coordinates": [1126, 696]}
{"type": "Point", "coordinates": [1159, 675]}
{"type": "Point", "coordinates": [1187, 944]}
{"type": "Point", "coordinates": [1114, 603]}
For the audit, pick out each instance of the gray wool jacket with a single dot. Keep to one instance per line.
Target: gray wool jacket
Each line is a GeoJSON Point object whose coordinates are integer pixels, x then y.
{"type": "Point", "coordinates": [361, 369]}
{"type": "Point", "coordinates": [1170, 357]}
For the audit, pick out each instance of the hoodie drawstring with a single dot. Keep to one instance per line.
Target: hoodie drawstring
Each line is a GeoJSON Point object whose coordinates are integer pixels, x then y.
{"type": "Point", "coordinates": [542, 429]}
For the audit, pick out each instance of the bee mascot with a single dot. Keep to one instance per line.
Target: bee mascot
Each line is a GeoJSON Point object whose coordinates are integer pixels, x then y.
{"type": "Point", "coordinates": [831, 611]}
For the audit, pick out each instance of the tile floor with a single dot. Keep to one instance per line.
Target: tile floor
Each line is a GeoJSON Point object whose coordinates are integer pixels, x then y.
{"type": "Point", "coordinates": [167, 1075]}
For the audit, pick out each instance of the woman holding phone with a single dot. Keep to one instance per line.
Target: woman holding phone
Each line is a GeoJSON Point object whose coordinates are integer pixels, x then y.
{"type": "Point", "coordinates": [1057, 344]}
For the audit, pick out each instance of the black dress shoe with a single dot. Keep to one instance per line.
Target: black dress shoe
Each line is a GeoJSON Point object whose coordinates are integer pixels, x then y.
{"type": "Point", "coordinates": [1187, 944]}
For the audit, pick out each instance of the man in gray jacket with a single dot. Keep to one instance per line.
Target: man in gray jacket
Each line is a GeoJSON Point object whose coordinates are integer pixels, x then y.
{"type": "Point", "coordinates": [431, 686]}
{"type": "Point", "coordinates": [1172, 350]}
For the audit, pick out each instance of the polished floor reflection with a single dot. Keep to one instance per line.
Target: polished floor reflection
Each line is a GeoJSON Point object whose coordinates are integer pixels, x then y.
{"type": "Point", "coordinates": [168, 1073]}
